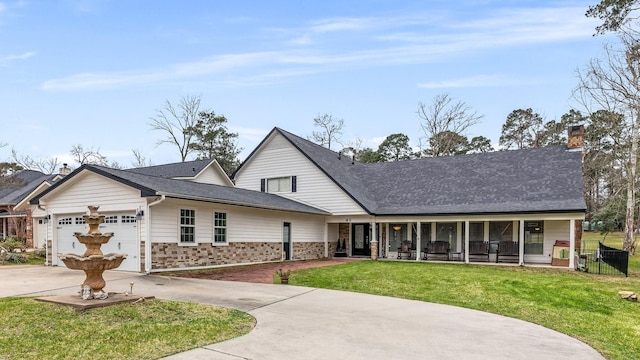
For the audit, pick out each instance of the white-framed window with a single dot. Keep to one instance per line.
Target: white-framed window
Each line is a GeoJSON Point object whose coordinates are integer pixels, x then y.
{"type": "Point", "coordinates": [65, 221]}
{"type": "Point", "coordinates": [219, 227]}
{"type": "Point", "coordinates": [187, 226]}
{"type": "Point", "coordinates": [80, 221]}
{"type": "Point", "coordinates": [279, 184]}
{"type": "Point", "coordinates": [113, 219]}
{"type": "Point", "coordinates": [128, 219]}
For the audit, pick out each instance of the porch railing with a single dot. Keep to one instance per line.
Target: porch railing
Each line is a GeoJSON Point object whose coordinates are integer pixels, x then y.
{"type": "Point", "coordinates": [602, 259]}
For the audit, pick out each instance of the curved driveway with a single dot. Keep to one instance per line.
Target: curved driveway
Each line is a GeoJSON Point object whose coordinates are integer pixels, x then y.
{"type": "Point", "coordinates": [304, 323]}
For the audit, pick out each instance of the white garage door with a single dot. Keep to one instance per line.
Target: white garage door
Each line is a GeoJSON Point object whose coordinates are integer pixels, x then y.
{"type": "Point", "coordinates": [124, 240]}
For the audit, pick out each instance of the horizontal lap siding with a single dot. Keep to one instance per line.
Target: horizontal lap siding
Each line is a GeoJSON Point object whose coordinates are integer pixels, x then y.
{"type": "Point", "coordinates": [279, 158]}
{"type": "Point", "coordinates": [210, 176]}
{"type": "Point", "coordinates": [93, 189]}
{"type": "Point", "coordinates": [243, 224]}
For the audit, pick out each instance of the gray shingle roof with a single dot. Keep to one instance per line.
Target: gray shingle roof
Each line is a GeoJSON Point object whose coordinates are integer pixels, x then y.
{"type": "Point", "coordinates": [156, 185]}
{"type": "Point", "coordinates": [517, 181]}
{"type": "Point", "coordinates": [22, 184]}
{"type": "Point", "coordinates": [174, 170]}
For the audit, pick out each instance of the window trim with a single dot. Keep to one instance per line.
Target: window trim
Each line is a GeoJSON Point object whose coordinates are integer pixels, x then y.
{"type": "Point", "coordinates": [293, 184]}
{"type": "Point", "coordinates": [225, 227]}
{"type": "Point", "coordinates": [181, 226]}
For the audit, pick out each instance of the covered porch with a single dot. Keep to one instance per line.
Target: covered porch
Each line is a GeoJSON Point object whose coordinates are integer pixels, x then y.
{"type": "Point", "coordinates": [544, 239]}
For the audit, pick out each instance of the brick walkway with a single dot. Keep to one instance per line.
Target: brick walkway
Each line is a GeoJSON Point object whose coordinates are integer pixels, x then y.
{"type": "Point", "coordinates": [260, 273]}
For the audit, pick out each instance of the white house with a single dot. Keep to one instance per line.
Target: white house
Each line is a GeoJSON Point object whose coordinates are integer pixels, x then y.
{"type": "Point", "coordinates": [296, 200]}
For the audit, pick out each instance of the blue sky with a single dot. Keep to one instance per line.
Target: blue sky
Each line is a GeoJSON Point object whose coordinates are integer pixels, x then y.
{"type": "Point", "coordinates": [94, 72]}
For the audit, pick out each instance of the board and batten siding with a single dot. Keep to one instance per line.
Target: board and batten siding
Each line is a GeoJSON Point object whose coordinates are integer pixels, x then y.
{"type": "Point", "coordinates": [278, 158]}
{"type": "Point", "coordinates": [243, 224]}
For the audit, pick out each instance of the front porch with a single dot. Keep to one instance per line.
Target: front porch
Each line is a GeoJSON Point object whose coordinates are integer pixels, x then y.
{"type": "Point", "coordinates": [547, 239]}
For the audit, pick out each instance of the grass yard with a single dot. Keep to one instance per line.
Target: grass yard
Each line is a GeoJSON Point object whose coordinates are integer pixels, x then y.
{"type": "Point", "coordinates": [585, 306]}
{"type": "Point", "coordinates": [148, 330]}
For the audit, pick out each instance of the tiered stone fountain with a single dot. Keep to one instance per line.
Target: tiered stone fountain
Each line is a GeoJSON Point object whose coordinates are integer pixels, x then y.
{"type": "Point", "coordinates": [93, 262]}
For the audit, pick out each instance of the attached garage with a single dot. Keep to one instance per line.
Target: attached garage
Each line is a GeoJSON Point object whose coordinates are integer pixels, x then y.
{"type": "Point", "coordinates": [124, 241]}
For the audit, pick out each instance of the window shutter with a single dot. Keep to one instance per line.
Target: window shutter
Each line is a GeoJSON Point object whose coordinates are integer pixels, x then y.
{"type": "Point", "coordinates": [294, 183]}
{"type": "Point", "coordinates": [263, 184]}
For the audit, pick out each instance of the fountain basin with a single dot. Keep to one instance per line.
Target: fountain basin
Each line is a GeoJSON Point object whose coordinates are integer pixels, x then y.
{"type": "Point", "coordinates": [93, 241]}
{"type": "Point", "coordinates": [93, 266]}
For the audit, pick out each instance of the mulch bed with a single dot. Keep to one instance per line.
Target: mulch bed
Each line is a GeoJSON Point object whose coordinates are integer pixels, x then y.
{"type": "Point", "coordinates": [259, 273]}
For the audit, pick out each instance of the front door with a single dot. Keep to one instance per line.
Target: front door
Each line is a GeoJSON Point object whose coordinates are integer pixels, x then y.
{"type": "Point", "coordinates": [286, 240]}
{"type": "Point", "coordinates": [360, 240]}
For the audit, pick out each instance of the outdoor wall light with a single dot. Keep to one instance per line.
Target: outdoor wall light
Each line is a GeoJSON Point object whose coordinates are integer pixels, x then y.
{"type": "Point", "coordinates": [139, 214]}
{"type": "Point", "coordinates": [47, 218]}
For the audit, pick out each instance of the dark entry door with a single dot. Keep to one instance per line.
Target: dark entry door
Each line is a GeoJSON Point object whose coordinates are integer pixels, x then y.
{"type": "Point", "coordinates": [286, 240]}
{"type": "Point", "coordinates": [360, 239]}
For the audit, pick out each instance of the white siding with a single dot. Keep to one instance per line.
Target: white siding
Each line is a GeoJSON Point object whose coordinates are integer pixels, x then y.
{"type": "Point", "coordinates": [212, 176]}
{"type": "Point", "coordinates": [278, 158]}
{"type": "Point", "coordinates": [90, 189]}
{"type": "Point", "coordinates": [243, 224]}
{"type": "Point", "coordinates": [553, 230]}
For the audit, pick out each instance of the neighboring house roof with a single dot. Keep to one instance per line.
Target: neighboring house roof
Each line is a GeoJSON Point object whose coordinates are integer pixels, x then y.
{"type": "Point", "coordinates": [187, 169]}
{"type": "Point", "coordinates": [516, 181]}
{"type": "Point", "coordinates": [21, 184]}
{"type": "Point", "coordinates": [156, 185]}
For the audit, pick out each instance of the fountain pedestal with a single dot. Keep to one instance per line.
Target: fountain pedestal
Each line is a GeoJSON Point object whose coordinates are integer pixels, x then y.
{"type": "Point", "coordinates": [93, 262]}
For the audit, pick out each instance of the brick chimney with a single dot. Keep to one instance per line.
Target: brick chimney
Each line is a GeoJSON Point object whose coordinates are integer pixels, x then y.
{"type": "Point", "coordinates": [575, 137]}
{"type": "Point", "coordinates": [64, 170]}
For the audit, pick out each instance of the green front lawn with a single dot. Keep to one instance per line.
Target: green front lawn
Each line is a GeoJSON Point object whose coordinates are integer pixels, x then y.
{"type": "Point", "coordinates": [147, 330]}
{"type": "Point", "coordinates": [585, 306]}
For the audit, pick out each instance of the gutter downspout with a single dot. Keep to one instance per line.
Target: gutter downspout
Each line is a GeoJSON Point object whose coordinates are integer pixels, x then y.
{"type": "Point", "coordinates": [46, 238]}
{"type": "Point", "coordinates": [147, 241]}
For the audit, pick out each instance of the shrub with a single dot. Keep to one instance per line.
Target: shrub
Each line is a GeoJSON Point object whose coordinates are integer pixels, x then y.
{"type": "Point", "coordinates": [17, 258]}
{"type": "Point", "coordinates": [11, 244]}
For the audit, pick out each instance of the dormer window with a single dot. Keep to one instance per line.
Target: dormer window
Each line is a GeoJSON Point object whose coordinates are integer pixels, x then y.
{"type": "Point", "coordinates": [279, 184]}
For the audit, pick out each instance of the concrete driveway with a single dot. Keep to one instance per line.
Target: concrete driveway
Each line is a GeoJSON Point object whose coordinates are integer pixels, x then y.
{"type": "Point", "coordinates": [305, 323]}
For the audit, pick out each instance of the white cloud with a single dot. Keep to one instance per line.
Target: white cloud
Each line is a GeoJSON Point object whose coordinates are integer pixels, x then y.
{"type": "Point", "coordinates": [474, 81]}
{"type": "Point", "coordinates": [8, 59]}
{"type": "Point", "coordinates": [410, 39]}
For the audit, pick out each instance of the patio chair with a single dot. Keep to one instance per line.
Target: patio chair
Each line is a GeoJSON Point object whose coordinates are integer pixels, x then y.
{"type": "Point", "coordinates": [479, 250]}
{"type": "Point", "coordinates": [404, 251]}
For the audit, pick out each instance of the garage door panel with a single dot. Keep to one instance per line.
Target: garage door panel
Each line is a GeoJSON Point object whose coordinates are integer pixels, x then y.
{"type": "Point", "coordinates": [124, 241]}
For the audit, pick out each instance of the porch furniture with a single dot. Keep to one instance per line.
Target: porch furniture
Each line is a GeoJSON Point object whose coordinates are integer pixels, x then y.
{"type": "Point", "coordinates": [438, 249]}
{"type": "Point", "coordinates": [479, 250]}
{"type": "Point", "coordinates": [404, 251]}
{"type": "Point", "coordinates": [508, 250]}
{"type": "Point", "coordinates": [456, 256]}
{"type": "Point", "coordinates": [341, 249]}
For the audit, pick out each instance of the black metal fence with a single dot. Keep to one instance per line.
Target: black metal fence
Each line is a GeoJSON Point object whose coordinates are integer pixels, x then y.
{"type": "Point", "coordinates": [602, 259]}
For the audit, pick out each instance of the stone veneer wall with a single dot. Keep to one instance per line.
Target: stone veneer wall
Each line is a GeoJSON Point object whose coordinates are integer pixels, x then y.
{"type": "Point", "coordinates": [309, 250]}
{"type": "Point", "coordinates": [142, 258]}
{"type": "Point", "coordinates": [170, 255]}
{"type": "Point", "coordinates": [49, 254]}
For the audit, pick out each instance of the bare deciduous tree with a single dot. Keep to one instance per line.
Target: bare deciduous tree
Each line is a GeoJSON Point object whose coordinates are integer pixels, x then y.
{"type": "Point", "coordinates": [330, 130]}
{"type": "Point", "coordinates": [88, 156]}
{"type": "Point", "coordinates": [445, 115]}
{"type": "Point", "coordinates": [613, 84]}
{"type": "Point", "coordinates": [139, 159]}
{"type": "Point", "coordinates": [47, 166]}
{"type": "Point", "coordinates": [175, 122]}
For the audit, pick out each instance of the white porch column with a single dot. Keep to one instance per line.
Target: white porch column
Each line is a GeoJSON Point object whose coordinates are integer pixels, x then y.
{"type": "Point", "coordinates": [521, 243]}
{"type": "Point", "coordinates": [418, 240]}
{"type": "Point", "coordinates": [326, 240]}
{"type": "Point", "coordinates": [374, 240]}
{"type": "Point", "coordinates": [466, 241]}
{"type": "Point", "coordinates": [572, 243]}
{"type": "Point", "coordinates": [386, 240]}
